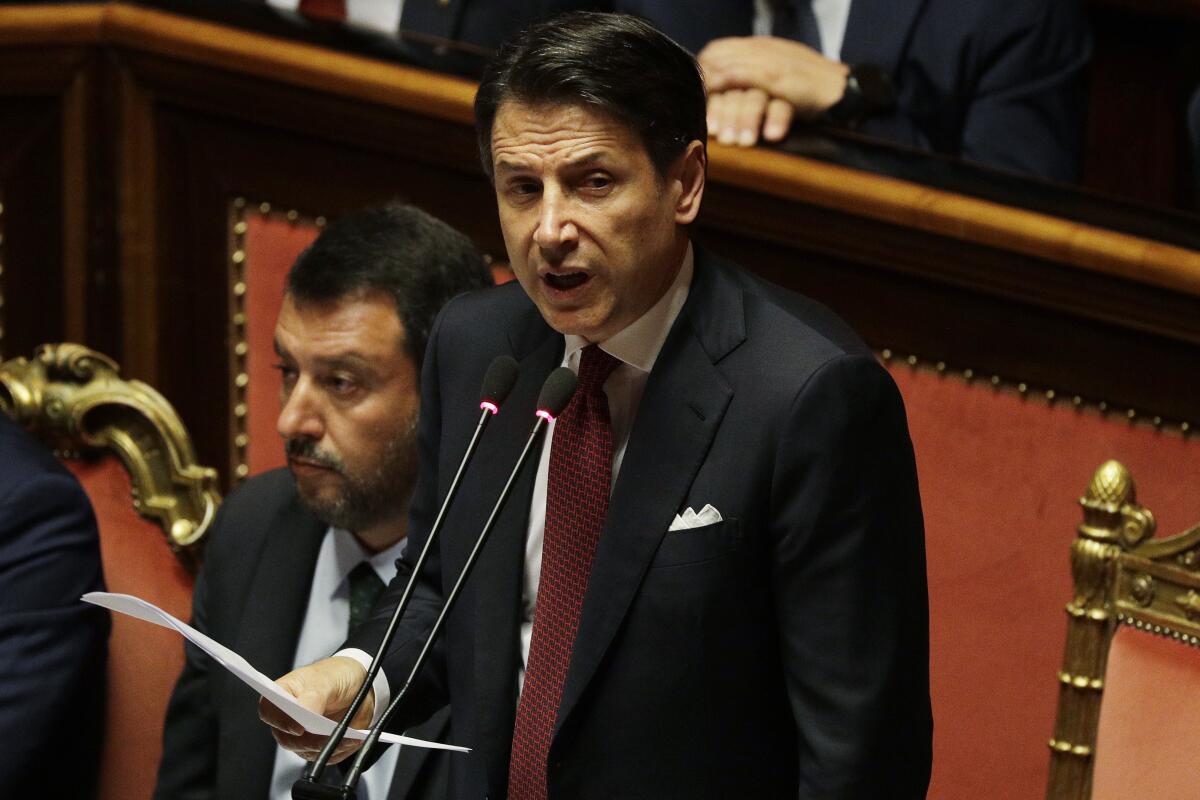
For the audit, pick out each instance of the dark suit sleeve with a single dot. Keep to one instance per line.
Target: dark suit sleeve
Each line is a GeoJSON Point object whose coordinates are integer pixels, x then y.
{"type": "Point", "coordinates": [1028, 107]}
{"type": "Point", "coordinates": [188, 769]}
{"type": "Point", "coordinates": [849, 584]}
{"type": "Point", "coordinates": [1001, 86]}
{"type": "Point", "coordinates": [52, 646]}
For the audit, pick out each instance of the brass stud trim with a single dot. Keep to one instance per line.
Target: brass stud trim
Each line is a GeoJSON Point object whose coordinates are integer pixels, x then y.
{"type": "Point", "coordinates": [1081, 682]}
{"type": "Point", "coordinates": [1066, 748]}
{"type": "Point", "coordinates": [1050, 395]}
{"type": "Point", "coordinates": [1164, 631]}
{"type": "Point", "coordinates": [239, 376]}
{"type": "Point", "coordinates": [237, 337]}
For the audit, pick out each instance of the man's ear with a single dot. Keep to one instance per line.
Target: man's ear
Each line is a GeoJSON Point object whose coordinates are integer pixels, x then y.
{"type": "Point", "coordinates": [689, 170]}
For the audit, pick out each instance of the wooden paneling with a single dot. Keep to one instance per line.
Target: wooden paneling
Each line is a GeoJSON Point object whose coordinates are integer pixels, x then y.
{"type": "Point", "coordinates": [133, 129]}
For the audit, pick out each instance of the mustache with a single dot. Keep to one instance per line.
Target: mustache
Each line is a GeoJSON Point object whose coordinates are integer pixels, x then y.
{"type": "Point", "coordinates": [308, 450]}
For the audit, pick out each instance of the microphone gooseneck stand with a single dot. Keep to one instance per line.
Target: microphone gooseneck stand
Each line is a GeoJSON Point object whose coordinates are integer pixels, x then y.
{"type": "Point", "coordinates": [555, 395]}
{"type": "Point", "coordinates": [497, 383]}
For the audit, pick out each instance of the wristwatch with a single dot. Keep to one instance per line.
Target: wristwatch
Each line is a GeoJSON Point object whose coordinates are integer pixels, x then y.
{"type": "Point", "coordinates": [869, 91]}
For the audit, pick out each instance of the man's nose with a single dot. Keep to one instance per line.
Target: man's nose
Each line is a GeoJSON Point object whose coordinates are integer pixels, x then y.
{"type": "Point", "coordinates": [300, 415]}
{"type": "Point", "coordinates": [556, 233]}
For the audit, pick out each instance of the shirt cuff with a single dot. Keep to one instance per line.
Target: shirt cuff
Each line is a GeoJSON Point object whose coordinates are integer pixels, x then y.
{"type": "Point", "coordinates": [383, 692]}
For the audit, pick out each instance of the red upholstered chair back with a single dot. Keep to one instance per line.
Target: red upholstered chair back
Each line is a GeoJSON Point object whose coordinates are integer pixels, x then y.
{"type": "Point", "coordinates": [153, 505]}
{"type": "Point", "coordinates": [1129, 699]}
{"type": "Point", "coordinates": [1000, 469]}
{"type": "Point", "coordinates": [271, 244]}
{"type": "Point", "coordinates": [1149, 719]}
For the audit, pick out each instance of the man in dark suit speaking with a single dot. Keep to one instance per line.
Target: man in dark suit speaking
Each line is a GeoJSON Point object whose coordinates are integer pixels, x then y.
{"type": "Point", "coordinates": [713, 583]}
{"type": "Point", "coordinates": [297, 555]}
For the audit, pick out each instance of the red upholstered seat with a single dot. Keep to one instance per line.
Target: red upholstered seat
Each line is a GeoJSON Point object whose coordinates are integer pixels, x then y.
{"type": "Point", "coordinates": [1149, 720]}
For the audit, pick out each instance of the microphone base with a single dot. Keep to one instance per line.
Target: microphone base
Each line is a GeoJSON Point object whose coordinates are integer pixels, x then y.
{"type": "Point", "coordinates": [304, 789]}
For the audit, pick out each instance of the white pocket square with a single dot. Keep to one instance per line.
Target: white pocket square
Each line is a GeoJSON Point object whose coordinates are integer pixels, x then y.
{"type": "Point", "coordinates": [691, 519]}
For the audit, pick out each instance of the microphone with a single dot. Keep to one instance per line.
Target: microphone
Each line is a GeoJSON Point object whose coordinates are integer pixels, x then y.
{"type": "Point", "coordinates": [556, 393]}
{"type": "Point", "coordinates": [498, 381]}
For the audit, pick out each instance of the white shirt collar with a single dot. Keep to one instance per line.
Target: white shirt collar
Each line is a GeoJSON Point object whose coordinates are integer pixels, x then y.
{"type": "Point", "coordinates": [345, 553]}
{"type": "Point", "coordinates": [639, 343]}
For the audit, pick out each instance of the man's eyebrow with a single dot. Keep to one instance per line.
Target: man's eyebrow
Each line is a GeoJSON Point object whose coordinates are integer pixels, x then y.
{"type": "Point", "coordinates": [510, 165]}
{"type": "Point", "coordinates": [513, 165]}
{"type": "Point", "coordinates": [350, 360]}
{"type": "Point", "coordinates": [587, 159]}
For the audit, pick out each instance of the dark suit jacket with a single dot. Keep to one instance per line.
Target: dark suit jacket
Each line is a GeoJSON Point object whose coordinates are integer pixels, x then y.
{"type": "Point", "coordinates": [251, 595]}
{"type": "Point", "coordinates": [52, 646]}
{"type": "Point", "coordinates": [994, 81]}
{"type": "Point", "coordinates": [782, 652]}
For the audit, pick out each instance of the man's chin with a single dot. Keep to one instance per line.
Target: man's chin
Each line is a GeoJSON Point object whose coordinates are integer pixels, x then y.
{"type": "Point", "coordinates": [318, 491]}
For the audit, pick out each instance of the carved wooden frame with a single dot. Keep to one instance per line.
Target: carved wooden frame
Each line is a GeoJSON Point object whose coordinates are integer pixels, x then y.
{"type": "Point", "coordinates": [1122, 577]}
{"type": "Point", "coordinates": [74, 399]}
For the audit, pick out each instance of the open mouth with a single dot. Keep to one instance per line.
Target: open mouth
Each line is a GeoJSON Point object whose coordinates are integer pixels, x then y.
{"type": "Point", "coordinates": [565, 281]}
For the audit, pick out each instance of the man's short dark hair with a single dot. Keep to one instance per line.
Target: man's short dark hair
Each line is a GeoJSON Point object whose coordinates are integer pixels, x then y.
{"type": "Point", "coordinates": [615, 63]}
{"type": "Point", "coordinates": [416, 258]}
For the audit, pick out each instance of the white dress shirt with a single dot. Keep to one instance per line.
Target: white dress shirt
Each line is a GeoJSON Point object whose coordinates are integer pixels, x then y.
{"type": "Point", "coordinates": [324, 628]}
{"type": "Point", "coordinates": [832, 16]}
{"type": "Point", "coordinates": [378, 15]}
{"type": "Point", "coordinates": [637, 348]}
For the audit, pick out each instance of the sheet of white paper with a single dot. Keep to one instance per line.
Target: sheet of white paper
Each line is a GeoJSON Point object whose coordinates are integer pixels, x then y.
{"type": "Point", "coordinates": [312, 722]}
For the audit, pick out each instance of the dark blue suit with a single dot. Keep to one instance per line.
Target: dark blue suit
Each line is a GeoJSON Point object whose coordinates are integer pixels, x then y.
{"type": "Point", "coordinates": [782, 652]}
{"type": "Point", "coordinates": [993, 81]}
{"type": "Point", "coordinates": [52, 646]}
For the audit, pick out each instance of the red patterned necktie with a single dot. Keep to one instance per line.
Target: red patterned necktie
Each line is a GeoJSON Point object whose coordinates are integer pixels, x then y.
{"type": "Point", "coordinates": [332, 10]}
{"type": "Point", "coordinates": [576, 502]}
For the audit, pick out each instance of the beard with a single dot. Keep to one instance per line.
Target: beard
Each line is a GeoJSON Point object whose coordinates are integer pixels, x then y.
{"type": "Point", "coordinates": [366, 497]}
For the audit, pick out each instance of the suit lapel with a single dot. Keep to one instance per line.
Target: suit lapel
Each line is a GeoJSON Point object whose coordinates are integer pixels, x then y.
{"type": "Point", "coordinates": [680, 412]}
{"type": "Point", "coordinates": [496, 582]}
{"type": "Point", "coordinates": [878, 32]}
{"type": "Point", "coordinates": [275, 605]}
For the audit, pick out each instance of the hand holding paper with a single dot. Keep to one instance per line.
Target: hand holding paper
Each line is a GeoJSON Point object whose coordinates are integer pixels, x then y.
{"type": "Point", "coordinates": [311, 721]}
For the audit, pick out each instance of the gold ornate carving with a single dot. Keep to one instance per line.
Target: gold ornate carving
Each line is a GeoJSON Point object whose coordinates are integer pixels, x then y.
{"type": "Point", "coordinates": [1110, 509]}
{"type": "Point", "coordinates": [1122, 576]}
{"type": "Point", "coordinates": [1190, 605]}
{"type": "Point", "coordinates": [1142, 588]}
{"type": "Point", "coordinates": [73, 398]}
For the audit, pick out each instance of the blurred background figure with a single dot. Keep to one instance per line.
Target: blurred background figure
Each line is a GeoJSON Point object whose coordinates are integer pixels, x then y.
{"type": "Point", "coordinates": [297, 556]}
{"type": "Point", "coordinates": [995, 82]}
{"type": "Point", "coordinates": [52, 646]}
{"type": "Point", "coordinates": [451, 35]}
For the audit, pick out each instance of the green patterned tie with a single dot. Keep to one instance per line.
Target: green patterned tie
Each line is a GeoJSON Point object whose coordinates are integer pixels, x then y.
{"type": "Point", "coordinates": [365, 588]}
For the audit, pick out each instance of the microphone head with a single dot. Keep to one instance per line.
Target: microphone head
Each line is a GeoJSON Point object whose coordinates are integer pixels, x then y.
{"type": "Point", "coordinates": [556, 393]}
{"type": "Point", "coordinates": [498, 382]}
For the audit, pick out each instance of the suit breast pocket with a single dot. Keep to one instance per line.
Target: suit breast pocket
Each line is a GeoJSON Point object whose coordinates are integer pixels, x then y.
{"type": "Point", "coordinates": [696, 545]}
